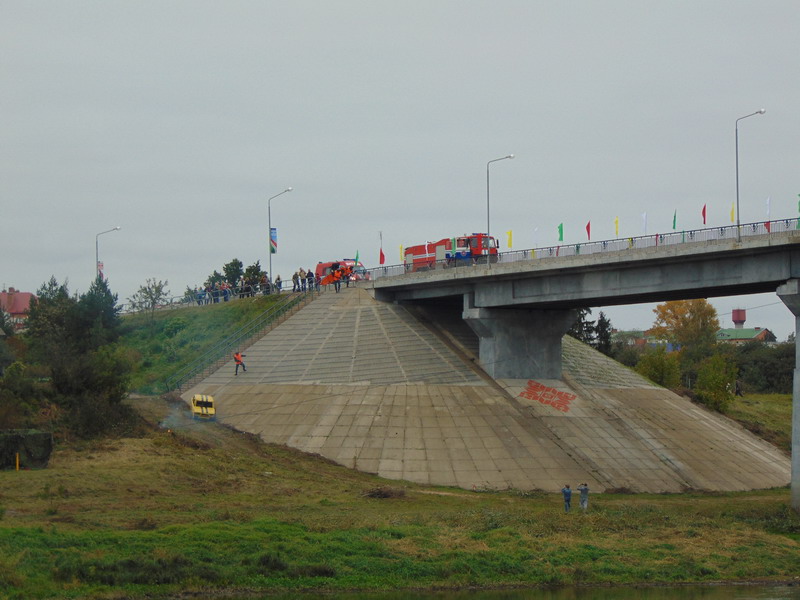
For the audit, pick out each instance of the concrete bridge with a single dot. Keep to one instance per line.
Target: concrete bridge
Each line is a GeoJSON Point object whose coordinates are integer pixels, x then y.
{"type": "Point", "coordinates": [413, 387]}
{"type": "Point", "coordinates": [521, 306]}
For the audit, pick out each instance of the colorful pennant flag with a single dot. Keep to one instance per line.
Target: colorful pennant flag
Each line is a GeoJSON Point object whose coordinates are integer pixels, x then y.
{"type": "Point", "coordinates": [589, 230]}
{"type": "Point", "coordinates": [561, 232]}
{"type": "Point", "coordinates": [381, 258]}
{"type": "Point", "coordinates": [402, 258]}
{"type": "Point", "coordinates": [273, 240]}
{"type": "Point", "coordinates": [644, 222]}
{"type": "Point", "coordinates": [616, 224]}
{"type": "Point", "coordinates": [675, 220]}
{"type": "Point", "coordinates": [508, 233]}
{"type": "Point", "coordinates": [733, 212]}
{"type": "Point", "coordinates": [703, 212]}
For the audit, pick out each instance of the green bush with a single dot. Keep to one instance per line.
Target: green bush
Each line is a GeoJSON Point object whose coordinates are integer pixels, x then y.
{"type": "Point", "coordinates": [660, 367]}
{"type": "Point", "coordinates": [716, 378]}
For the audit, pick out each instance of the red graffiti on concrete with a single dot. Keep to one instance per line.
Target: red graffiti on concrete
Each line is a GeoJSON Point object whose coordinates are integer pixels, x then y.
{"type": "Point", "coordinates": [547, 395]}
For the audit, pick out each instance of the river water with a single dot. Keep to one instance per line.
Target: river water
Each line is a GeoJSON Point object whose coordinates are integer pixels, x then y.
{"type": "Point", "coordinates": [708, 592]}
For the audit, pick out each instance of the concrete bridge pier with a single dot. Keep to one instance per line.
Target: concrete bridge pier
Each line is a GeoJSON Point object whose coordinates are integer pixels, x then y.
{"type": "Point", "coordinates": [789, 292]}
{"type": "Point", "coordinates": [517, 343]}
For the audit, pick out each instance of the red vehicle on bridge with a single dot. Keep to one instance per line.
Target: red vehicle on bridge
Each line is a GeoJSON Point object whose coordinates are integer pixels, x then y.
{"type": "Point", "coordinates": [357, 270]}
{"type": "Point", "coordinates": [451, 252]}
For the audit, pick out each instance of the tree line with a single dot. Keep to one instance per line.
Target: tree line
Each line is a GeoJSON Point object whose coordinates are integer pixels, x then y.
{"type": "Point", "coordinates": [68, 371]}
{"type": "Point", "coordinates": [687, 357]}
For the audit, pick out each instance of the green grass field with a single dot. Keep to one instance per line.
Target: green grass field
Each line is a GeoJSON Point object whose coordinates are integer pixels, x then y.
{"type": "Point", "coordinates": [200, 507]}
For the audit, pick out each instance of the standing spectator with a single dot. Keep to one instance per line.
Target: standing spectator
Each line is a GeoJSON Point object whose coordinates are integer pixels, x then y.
{"type": "Point", "coordinates": [302, 275]}
{"type": "Point", "coordinates": [310, 280]}
{"type": "Point", "coordinates": [278, 284]}
{"type": "Point", "coordinates": [337, 280]}
{"type": "Point", "coordinates": [317, 281]}
{"type": "Point", "coordinates": [584, 500]}
{"type": "Point", "coordinates": [296, 282]}
{"type": "Point", "coordinates": [567, 497]}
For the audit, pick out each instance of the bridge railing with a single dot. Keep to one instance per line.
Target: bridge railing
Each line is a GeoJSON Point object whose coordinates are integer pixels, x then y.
{"type": "Point", "coordinates": [636, 242]}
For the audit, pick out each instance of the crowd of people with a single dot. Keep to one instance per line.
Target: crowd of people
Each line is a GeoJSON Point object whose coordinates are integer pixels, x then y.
{"type": "Point", "coordinates": [222, 291]}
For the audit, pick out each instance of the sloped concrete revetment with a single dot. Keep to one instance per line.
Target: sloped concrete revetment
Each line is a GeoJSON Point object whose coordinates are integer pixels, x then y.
{"type": "Point", "coordinates": [395, 391]}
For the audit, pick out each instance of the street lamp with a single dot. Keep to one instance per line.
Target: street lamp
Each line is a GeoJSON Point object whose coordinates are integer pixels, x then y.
{"type": "Point", "coordinates": [269, 224]}
{"type": "Point", "coordinates": [487, 188]}
{"type": "Point", "coordinates": [738, 229]}
{"type": "Point", "coordinates": [97, 249]}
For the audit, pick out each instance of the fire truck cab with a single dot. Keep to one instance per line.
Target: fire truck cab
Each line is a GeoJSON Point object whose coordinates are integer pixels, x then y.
{"type": "Point", "coordinates": [450, 252]}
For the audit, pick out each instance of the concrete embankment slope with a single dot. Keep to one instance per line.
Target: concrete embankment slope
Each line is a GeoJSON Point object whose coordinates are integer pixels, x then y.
{"type": "Point", "coordinates": [377, 387]}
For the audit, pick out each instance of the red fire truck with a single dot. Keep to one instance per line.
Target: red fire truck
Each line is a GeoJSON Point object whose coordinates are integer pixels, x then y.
{"type": "Point", "coordinates": [451, 252]}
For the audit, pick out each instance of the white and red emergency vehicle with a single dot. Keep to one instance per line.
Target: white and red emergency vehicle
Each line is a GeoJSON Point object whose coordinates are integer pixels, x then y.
{"type": "Point", "coordinates": [456, 251]}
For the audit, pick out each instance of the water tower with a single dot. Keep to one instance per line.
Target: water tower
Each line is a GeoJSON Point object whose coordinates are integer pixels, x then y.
{"type": "Point", "coordinates": [739, 317]}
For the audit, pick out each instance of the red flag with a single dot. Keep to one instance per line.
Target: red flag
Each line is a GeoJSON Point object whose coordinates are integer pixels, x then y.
{"type": "Point", "coordinates": [704, 214]}
{"type": "Point", "coordinates": [589, 230]}
{"type": "Point", "coordinates": [382, 258]}
{"type": "Point", "coordinates": [766, 225]}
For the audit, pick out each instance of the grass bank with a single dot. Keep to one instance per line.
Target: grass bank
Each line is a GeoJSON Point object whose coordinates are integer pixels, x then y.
{"type": "Point", "coordinates": [199, 507]}
{"type": "Point", "coordinates": [173, 338]}
{"type": "Point", "coordinates": [767, 415]}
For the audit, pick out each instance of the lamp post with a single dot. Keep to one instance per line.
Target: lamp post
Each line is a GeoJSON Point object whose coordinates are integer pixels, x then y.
{"type": "Point", "coordinates": [269, 224]}
{"type": "Point", "coordinates": [738, 229]}
{"type": "Point", "coordinates": [487, 188]}
{"type": "Point", "coordinates": [97, 249]}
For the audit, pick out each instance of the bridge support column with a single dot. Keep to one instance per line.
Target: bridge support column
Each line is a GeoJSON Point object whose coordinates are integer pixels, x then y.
{"type": "Point", "coordinates": [519, 343]}
{"type": "Point", "coordinates": [789, 292]}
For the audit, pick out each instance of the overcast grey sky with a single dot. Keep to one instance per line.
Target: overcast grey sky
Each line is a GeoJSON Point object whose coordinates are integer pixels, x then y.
{"type": "Point", "coordinates": [177, 120]}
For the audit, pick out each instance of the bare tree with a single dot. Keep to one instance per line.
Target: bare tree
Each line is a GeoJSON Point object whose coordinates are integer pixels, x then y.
{"type": "Point", "coordinates": [150, 296]}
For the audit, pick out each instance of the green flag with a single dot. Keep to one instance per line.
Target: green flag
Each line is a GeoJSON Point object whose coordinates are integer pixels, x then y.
{"type": "Point", "coordinates": [356, 258]}
{"type": "Point", "coordinates": [675, 219]}
{"type": "Point", "coordinates": [561, 232]}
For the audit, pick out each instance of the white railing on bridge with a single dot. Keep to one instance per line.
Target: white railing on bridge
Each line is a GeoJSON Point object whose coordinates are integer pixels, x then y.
{"type": "Point", "coordinates": [616, 245]}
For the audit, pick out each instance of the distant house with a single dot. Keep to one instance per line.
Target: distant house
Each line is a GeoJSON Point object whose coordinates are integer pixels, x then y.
{"type": "Point", "coordinates": [16, 304]}
{"type": "Point", "coordinates": [740, 335]}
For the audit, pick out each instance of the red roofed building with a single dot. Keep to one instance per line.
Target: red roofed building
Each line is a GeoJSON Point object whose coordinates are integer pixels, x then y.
{"type": "Point", "coordinates": [16, 304]}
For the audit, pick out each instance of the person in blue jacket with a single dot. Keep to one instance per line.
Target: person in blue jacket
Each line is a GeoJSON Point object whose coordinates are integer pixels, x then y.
{"type": "Point", "coordinates": [567, 497]}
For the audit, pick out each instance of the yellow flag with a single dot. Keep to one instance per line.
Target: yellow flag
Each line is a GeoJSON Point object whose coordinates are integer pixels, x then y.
{"type": "Point", "coordinates": [508, 233]}
{"type": "Point", "coordinates": [402, 258]}
{"type": "Point", "coordinates": [733, 213]}
{"type": "Point", "coordinates": [616, 226]}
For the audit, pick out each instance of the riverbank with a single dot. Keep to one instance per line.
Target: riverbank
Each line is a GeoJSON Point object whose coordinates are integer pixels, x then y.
{"type": "Point", "coordinates": [199, 508]}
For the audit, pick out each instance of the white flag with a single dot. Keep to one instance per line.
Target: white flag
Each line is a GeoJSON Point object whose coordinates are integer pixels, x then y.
{"type": "Point", "coordinates": [644, 222]}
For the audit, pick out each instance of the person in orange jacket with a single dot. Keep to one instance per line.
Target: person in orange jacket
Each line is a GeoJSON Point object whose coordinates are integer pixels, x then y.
{"type": "Point", "coordinates": [237, 357]}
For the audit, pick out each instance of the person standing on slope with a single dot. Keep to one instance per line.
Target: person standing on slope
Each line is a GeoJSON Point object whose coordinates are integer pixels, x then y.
{"type": "Point", "coordinates": [237, 357]}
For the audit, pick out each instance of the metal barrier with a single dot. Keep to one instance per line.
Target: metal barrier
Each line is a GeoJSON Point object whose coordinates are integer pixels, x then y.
{"type": "Point", "coordinates": [221, 352]}
{"type": "Point", "coordinates": [615, 245]}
